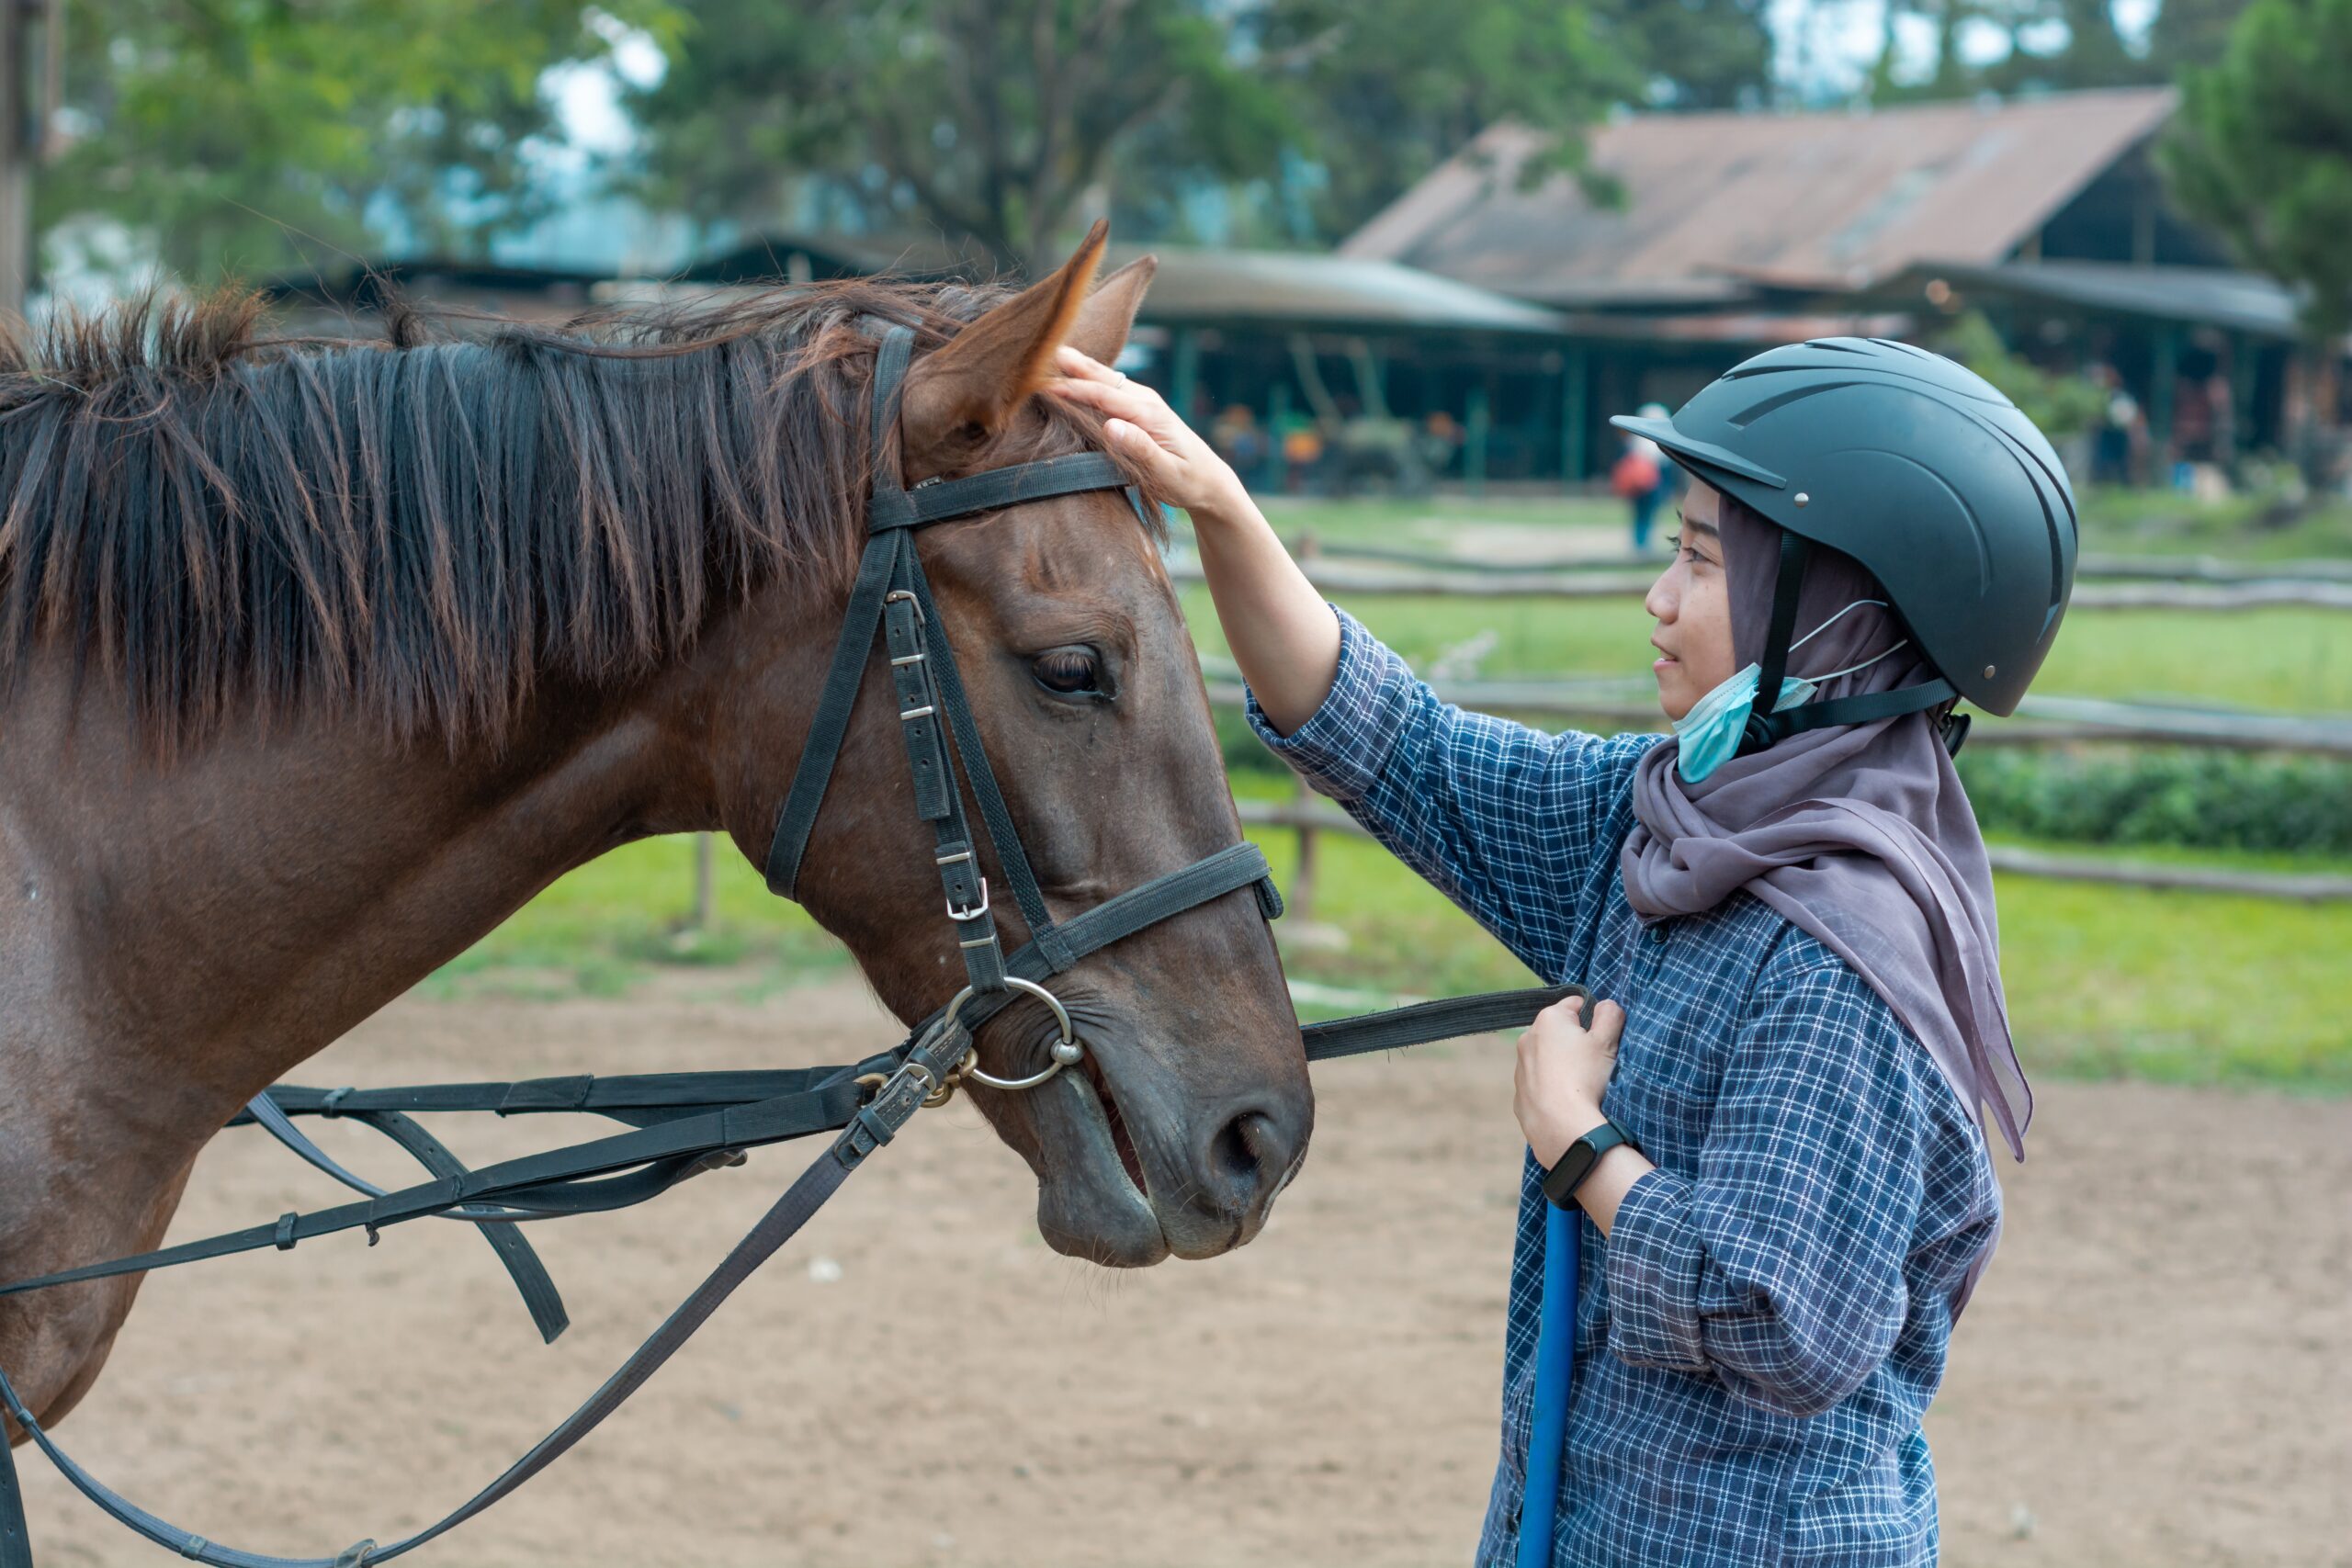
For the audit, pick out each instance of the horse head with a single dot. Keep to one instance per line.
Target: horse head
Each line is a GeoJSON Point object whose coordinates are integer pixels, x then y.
{"type": "Point", "coordinates": [1191, 1107]}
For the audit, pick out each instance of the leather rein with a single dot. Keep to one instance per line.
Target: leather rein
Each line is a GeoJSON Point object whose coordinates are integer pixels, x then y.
{"type": "Point", "coordinates": [685, 1123]}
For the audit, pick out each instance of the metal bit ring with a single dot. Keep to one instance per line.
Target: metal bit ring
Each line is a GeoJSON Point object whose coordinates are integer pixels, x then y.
{"type": "Point", "coordinates": [1068, 1051]}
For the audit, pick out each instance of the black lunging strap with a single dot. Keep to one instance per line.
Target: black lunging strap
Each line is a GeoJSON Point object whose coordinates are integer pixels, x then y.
{"type": "Point", "coordinates": [805, 1095]}
{"type": "Point", "coordinates": [873, 1126]}
{"type": "Point", "coordinates": [515, 1254]}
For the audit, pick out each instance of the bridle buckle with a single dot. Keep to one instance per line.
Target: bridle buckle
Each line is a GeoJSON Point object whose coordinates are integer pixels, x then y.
{"type": "Point", "coordinates": [960, 915]}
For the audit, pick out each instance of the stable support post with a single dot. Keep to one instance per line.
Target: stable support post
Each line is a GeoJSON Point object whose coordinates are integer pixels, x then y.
{"type": "Point", "coordinates": [2162, 372]}
{"type": "Point", "coordinates": [1277, 475]}
{"type": "Point", "coordinates": [1573, 414]}
{"type": "Point", "coordinates": [1474, 454]}
{"type": "Point", "coordinates": [1183, 372]}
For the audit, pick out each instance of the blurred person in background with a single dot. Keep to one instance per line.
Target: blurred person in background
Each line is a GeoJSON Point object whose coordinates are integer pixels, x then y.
{"type": "Point", "coordinates": [1756, 1191]}
{"type": "Point", "coordinates": [1638, 476]}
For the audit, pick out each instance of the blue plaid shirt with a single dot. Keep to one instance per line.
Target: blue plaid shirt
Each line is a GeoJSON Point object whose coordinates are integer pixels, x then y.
{"type": "Point", "coordinates": [1760, 1334]}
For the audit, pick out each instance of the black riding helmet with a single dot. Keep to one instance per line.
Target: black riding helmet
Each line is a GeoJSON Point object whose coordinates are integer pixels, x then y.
{"type": "Point", "coordinates": [1918, 469]}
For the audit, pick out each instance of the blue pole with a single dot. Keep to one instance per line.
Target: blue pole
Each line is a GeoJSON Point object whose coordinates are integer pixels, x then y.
{"type": "Point", "coordinates": [1556, 1345]}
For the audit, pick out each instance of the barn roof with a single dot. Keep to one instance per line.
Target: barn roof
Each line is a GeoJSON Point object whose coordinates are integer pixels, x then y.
{"type": "Point", "coordinates": [1713, 200]}
{"type": "Point", "coordinates": [1194, 285]}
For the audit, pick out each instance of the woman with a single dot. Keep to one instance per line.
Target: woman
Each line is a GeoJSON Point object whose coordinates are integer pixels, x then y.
{"type": "Point", "coordinates": [1772, 1192]}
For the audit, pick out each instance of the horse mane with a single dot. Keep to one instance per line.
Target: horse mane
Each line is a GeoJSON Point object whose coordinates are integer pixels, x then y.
{"type": "Point", "coordinates": [420, 529]}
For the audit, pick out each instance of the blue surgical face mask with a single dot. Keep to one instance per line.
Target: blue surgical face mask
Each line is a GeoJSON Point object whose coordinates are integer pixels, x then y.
{"type": "Point", "coordinates": [1711, 731]}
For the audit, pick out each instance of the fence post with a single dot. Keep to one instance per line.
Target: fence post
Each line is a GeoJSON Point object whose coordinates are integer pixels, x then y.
{"type": "Point", "coordinates": [705, 895]}
{"type": "Point", "coordinates": [1300, 904]}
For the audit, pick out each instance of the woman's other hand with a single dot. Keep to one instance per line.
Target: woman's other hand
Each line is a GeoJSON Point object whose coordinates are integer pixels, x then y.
{"type": "Point", "coordinates": [1184, 469]}
{"type": "Point", "coordinates": [1563, 1071]}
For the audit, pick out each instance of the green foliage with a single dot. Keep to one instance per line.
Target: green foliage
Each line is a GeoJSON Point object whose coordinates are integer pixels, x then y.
{"type": "Point", "coordinates": [2061, 406]}
{"type": "Point", "coordinates": [965, 116]}
{"type": "Point", "coordinates": [245, 135]}
{"type": "Point", "coordinates": [994, 123]}
{"type": "Point", "coordinates": [2184, 799]}
{"type": "Point", "coordinates": [1389, 88]}
{"type": "Point", "coordinates": [2262, 150]}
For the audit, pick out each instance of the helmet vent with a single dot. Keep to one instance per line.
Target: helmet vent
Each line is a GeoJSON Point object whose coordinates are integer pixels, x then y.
{"type": "Point", "coordinates": [1757, 410]}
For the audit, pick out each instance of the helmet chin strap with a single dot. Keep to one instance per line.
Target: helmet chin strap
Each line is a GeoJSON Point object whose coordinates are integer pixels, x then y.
{"type": "Point", "coordinates": [1765, 727]}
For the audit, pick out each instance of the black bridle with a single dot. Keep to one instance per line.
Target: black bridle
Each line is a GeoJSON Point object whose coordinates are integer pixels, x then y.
{"type": "Point", "coordinates": [685, 1123]}
{"type": "Point", "coordinates": [892, 592]}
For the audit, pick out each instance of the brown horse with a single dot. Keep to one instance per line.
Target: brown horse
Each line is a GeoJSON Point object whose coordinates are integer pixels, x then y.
{"type": "Point", "coordinates": [317, 659]}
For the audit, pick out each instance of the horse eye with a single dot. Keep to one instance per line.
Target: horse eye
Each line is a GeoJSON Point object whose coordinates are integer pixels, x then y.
{"type": "Point", "coordinates": [1069, 671]}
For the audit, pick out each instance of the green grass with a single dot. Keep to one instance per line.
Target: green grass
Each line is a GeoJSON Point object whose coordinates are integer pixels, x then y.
{"type": "Point", "coordinates": [611, 923]}
{"type": "Point", "coordinates": [2103, 981]}
{"type": "Point", "coordinates": [2288, 660]}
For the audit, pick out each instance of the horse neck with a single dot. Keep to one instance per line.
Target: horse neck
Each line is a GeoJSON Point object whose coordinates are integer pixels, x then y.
{"type": "Point", "coordinates": [195, 930]}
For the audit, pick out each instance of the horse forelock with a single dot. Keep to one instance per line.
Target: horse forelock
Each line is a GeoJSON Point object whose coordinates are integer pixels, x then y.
{"type": "Point", "coordinates": [418, 529]}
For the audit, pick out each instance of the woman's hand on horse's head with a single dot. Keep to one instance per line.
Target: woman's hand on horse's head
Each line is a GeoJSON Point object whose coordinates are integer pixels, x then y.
{"type": "Point", "coordinates": [1563, 1071]}
{"type": "Point", "coordinates": [1185, 469]}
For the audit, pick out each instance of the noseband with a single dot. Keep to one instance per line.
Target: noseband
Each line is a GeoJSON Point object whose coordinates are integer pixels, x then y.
{"type": "Point", "coordinates": [893, 593]}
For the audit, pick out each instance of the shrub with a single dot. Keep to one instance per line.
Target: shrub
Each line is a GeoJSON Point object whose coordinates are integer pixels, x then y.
{"type": "Point", "coordinates": [2194, 799]}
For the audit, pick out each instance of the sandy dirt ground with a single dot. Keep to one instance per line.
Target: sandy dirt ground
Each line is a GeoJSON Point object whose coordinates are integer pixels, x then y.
{"type": "Point", "coordinates": [2154, 1373]}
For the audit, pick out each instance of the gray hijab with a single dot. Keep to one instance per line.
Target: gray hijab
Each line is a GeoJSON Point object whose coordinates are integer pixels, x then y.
{"type": "Point", "coordinates": [1860, 835]}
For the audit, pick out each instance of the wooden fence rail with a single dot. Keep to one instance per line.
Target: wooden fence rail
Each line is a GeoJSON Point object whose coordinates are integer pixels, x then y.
{"type": "Point", "coordinates": [2091, 568]}
{"type": "Point", "coordinates": [1339, 578]}
{"type": "Point", "coordinates": [2041, 721]}
{"type": "Point", "coordinates": [1308, 819]}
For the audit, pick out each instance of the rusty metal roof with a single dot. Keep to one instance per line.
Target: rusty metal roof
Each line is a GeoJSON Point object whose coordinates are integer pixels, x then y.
{"type": "Point", "coordinates": [1818, 200]}
{"type": "Point", "coordinates": [1195, 286]}
{"type": "Point", "coordinates": [1311, 289]}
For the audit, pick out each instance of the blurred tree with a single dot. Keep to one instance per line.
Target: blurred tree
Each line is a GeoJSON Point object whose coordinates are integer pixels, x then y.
{"type": "Point", "coordinates": [1390, 88]}
{"type": "Point", "coordinates": [2262, 150]}
{"type": "Point", "coordinates": [2092, 54]}
{"type": "Point", "coordinates": [2090, 50]}
{"type": "Point", "coordinates": [2190, 32]}
{"type": "Point", "coordinates": [1699, 54]}
{"type": "Point", "coordinates": [972, 117]}
{"type": "Point", "coordinates": [246, 135]}
{"type": "Point", "coordinates": [2061, 406]}
{"type": "Point", "coordinates": [995, 122]}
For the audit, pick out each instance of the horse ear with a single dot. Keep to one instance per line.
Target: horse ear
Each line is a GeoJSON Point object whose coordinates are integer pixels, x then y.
{"type": "Point", "coordinates": [963, 394]}
{"type": "Point", "coordinates": [1109, 314]}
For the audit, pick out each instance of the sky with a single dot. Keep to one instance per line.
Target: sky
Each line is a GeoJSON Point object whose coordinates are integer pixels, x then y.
{"type": "Point", "coordinates": [1824, 47]}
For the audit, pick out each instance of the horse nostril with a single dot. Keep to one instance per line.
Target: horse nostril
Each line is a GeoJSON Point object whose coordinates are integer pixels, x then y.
{"type": "Point", "coordinates": [1244, 1157]}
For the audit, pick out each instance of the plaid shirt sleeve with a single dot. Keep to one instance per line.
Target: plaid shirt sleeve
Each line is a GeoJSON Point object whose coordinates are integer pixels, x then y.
{"type": "Point", "coordinates": [1504, 819]}
{"type": "Point", "coordinates": [1778, 1269]}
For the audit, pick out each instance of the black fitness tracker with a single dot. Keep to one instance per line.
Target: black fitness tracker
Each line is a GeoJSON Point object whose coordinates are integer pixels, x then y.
{"type": "Point", "coordinates": [1560, 1182]}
